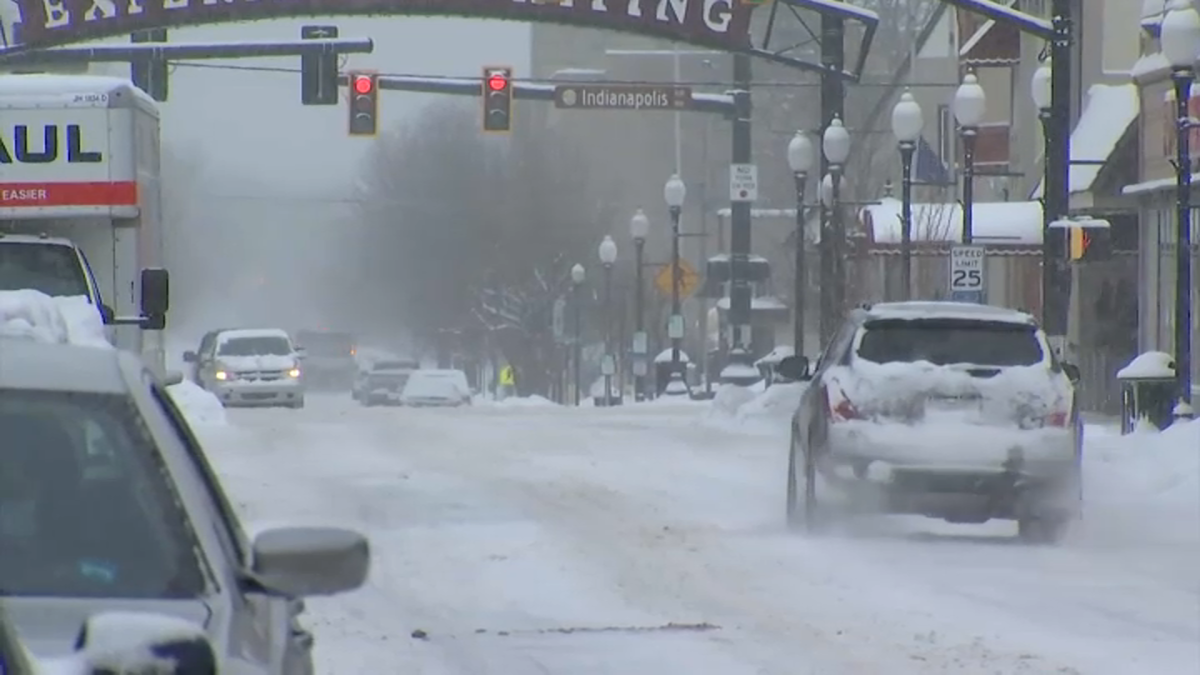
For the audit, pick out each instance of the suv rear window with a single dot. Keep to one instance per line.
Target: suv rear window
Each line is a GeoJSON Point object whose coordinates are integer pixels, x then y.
{"type": "Point", "coordinates": [947, 341]}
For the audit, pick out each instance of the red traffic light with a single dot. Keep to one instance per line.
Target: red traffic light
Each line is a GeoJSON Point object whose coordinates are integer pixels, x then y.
{"type": "Point", "coordinates": [363, 84]}
{"type": "Point", "coordinates": [497, 82]}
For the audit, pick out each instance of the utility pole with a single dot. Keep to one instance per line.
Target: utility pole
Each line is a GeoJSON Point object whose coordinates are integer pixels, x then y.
{"type": "Point", "coordinates": [1056, 275]}
{"type": "Point", "coordinates": [833, 100]}
{"type": "Point", "coordinates": [740, 369]}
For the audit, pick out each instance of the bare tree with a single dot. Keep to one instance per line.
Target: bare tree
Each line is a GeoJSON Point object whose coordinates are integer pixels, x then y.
{"type": "Point", "coordinates": [477, 237]}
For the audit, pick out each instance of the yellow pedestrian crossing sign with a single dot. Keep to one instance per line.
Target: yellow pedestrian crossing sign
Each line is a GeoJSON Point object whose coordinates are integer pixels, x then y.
{"type": "Point", "coordinates": [688, 279]}
{"type": "Point", "coordinates": [506, 376]}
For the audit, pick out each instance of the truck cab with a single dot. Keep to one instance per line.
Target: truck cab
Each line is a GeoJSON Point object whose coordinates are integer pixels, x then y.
{"type": "Point", "coordinates": [51, 265]}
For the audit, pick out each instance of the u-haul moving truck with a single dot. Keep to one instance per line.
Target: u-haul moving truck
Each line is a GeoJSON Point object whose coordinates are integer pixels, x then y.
{"type": "Point", "coordinates": [80, 200]}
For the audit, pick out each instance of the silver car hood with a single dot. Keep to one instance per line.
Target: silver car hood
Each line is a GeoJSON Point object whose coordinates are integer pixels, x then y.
{"type": "Point", "coordinates": [49, 626]}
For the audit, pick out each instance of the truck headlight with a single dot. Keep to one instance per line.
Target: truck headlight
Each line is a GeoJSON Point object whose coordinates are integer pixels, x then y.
{"type": "Point", "coordinates": [294, 373]}
{"type": "Point", "coordinates": [221, 375]}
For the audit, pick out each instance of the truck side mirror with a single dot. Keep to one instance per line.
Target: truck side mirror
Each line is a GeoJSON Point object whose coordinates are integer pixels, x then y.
{"type": "Point", "coordinates": [1071, 371]}
{"type": "Point", "coordinates": [106, 314]}
{"type": "Point", "coordinates": [156, 286]}
{"type": "Point", "coordinates": [190, 357]}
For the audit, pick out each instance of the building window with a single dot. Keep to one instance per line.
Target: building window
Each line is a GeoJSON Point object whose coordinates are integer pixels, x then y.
{"type": "Point", "coordinates": [946, 136]}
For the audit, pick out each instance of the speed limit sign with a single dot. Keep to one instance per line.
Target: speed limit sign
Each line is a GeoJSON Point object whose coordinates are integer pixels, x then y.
{"type": "Point", "coordinates": [967, 280]}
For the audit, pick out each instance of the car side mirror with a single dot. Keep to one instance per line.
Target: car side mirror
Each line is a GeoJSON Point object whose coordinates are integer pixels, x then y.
{"type": "Point", "coordinates": [190, 357]}
{"type": "Point", "coordinates": [1071, 371]}
{"type": "Point", "coordinates": [794, 368]}
{"type": "Point", "coordinates": [301, 353]}
{"type": "Point", "coordinates": [306, 561]}
{"type": "Point", "coordinates": [156, 292]}
{"type": "Point", "coordinates": [127, 642]}
{"type": "Point", "coordinates": [106, 314]}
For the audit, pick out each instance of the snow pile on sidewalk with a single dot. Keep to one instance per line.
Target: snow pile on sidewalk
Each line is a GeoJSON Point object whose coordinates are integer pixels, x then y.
{"type": "Point", "coordinates": [534, 401]}
{"type": "Point", "coordinates": [768, 408]}
{"type": "Point", "coordinates": [1144, 486]}
{"type": "Point", "coordinates": [34, 315]}
{"type": "Point", "coordinates": [200, 407]}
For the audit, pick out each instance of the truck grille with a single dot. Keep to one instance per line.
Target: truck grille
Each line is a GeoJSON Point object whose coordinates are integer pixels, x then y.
{"type": "Point", "coordinates": [267, 375]}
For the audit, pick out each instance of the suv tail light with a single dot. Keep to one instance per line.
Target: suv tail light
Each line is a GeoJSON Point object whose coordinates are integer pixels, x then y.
{"type": "Point", "coordinates": [1057, 418]}
{"type": "Point", "coordinates": [839, 406]}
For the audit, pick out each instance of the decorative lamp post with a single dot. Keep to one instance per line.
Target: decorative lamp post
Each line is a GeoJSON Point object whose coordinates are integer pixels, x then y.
{"type": "Point", "coordinates": [835, 144]}
{"type": "Point", "coordinates": [800, 157]}
{"type": "Point", "coordinates": [674, 192]}
{"type": "Point", "coordinates": [970, 105]}
{"type": "Point", "coordinates": [1180, 43]}
{"type": "Point", "coordinates": [608, 366]}
{"type": "Point", "coordinates": [577, 278]}
{"type": "Point", "coordinates": [639, 228]}
{"type": "Point", "coordinates": [907, 124]}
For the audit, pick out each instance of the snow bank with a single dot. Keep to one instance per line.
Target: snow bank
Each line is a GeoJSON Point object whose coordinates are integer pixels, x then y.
{"type": "Point", "coordinates": [755, 408]}
{"type": "Point", "coordinates": [200, 407]}
{"type": "Point", "coordinates": [534, 401]}
{"type": "Point", "coordinates": [1144, 486]}
{"type": "Point", "coordinates": [34, 315]}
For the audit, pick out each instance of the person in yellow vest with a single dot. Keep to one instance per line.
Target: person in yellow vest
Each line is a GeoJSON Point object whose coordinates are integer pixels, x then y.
{"type": "Point", "coordinates": [508, 382]}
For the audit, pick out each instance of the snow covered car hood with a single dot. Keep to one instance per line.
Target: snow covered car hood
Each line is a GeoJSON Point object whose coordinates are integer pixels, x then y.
{"type": "Point", "coordinates": [239, 364]}
{"type": "Point", "coordinates": [49, 626]}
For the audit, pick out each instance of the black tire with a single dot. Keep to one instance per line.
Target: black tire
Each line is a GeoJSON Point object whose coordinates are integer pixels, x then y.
{"type": "Point", "coordinates": [1043, 529]}
{"type": "Point", "coordinates": [297, 405]}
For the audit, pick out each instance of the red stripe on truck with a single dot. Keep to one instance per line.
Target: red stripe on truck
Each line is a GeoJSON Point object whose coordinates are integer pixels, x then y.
{"type": "Point", "coordinates": [124, 193]}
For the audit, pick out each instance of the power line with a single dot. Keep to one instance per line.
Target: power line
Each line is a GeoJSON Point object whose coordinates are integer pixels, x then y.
{"type": "Point", "coordinates": [651, 83]}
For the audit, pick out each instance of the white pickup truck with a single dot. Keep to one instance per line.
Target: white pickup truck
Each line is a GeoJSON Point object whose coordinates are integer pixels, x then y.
{"type": "Point", "coordinates": [80, 200]}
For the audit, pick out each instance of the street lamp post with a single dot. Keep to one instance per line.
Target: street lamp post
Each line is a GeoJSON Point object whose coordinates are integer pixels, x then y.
{"type": "Point", "coordinates": [970, 105]}
{"type": "Point", "coordinates": [608, 256]}
{"type": "Point", "coordinates": [800, 160]}
{"type": "Point", "coordinates": [1180, 43]}
{"type": "Point", "coordinates": [907, 124]}
{"type": "Point", "coordinates": [577, 277]}
{"type": "Point", "coordinates": [674, 192]}
{"type": "Point", "coordinates": [639, 228]}
{"type": "Point", "coordinates": [835, 145]}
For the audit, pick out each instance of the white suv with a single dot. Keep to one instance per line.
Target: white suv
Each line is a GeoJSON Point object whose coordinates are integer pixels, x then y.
{"type": "Point", "coordinates": [947, 410]}
{"type": "Point", "coordinates": [250, 367]}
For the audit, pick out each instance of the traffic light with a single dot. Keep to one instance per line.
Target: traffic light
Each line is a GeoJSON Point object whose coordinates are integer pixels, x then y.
{"type": "Point", "coordinates": [1089, 244]}
{"type": "Point", "coordinates": [319, 71]}
{"type": "Point", "coordinates": [149, 73]}
{"type": "Point", "coordinates": [497, 99]}
{"type": "Point", "coordinates": [364, 103]}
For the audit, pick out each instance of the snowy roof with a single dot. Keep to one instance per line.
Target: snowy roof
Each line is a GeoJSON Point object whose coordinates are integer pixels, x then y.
{"type": "Point", "coordinates": [761, 213]}
{"type": "Point", "coordinates": [761, 302]}
{"type": "Point", "coordinates": [665, 356]}
{"type": "Point", "coordinates": [980, 33]}
{"type": "Point", "coordinates": [724, 258]}
{"type": "Point", "coordinates": [994, 222]}
{"type": "Point", "coordinates": [34, 239]}
{"type": "Point", "coordinates": [921, 309]}
{"type": "Point", "coordinates": [1154, 185]}
{"type": "Point", "coordinates": [253, 333]}
{"type": "Point", "coordinates": [51, 85]}
{"type": "Point", "coordinates": [1110, 110]}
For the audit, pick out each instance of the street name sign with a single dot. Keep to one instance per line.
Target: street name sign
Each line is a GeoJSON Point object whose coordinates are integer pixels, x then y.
{"type": "Point", "coordinates": [743, 182]}
{"type": "Point", "coordinates": [622, 97]}
{"type": "Point", "coordinates": [967, 278]}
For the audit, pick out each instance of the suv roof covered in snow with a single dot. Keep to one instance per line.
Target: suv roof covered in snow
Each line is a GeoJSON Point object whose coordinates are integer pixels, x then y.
{"type": "Point", "coordinates": [931, 309]}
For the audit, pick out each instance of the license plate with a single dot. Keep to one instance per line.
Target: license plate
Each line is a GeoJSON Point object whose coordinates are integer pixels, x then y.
{"type": "Point", "coordinates": [955, 403]}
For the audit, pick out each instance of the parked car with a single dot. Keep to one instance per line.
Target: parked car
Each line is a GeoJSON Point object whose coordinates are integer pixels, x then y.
{"type": "Point", "coordinates": [111, 505]}
{"type": "Point", "coordinates": [380, 382]}
{"type": "Point", "coordinates": [948, 410]}
{"type": "Point", "coordinates": [250, 367]}
{"type": "Point", "coordinates": [436, 388]}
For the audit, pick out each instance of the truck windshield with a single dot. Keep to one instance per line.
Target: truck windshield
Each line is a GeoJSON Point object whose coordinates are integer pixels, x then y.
{"type": "Point", "coordinates": [53, 269]}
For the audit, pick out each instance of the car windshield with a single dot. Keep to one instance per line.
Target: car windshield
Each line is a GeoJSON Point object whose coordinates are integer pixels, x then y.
{"type": "Point", "coordinates": [393, 365]}
{"type": "Point", "coordinates": [85, 508]}
{"type": "Point", "coordinates": [266, 345]}
{"type": "Point", "coordinates": [53, 269]}
{"type": "Point", "coordinates": [434, 385]}
{"type": "Point", "coordinates": [948, 341]}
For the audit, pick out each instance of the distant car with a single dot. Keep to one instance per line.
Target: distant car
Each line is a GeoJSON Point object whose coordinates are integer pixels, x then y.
{"type": "Point", "coordinates": [329, 358]}
{"type": "Point", "coordinates": [436, 388]}
{"type": "Point", "coordinates": [953, 411]}
{"type": "Point", "coordinates": [249, 367]}
{"type": "Point", "coordinates": [381, 382]}
{"type": "Point", "coordinates": [110, 505]}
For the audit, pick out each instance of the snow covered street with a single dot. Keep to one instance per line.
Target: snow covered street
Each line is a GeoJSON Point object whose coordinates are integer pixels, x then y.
{"type": "Point", "coordinates": [651, 539]}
